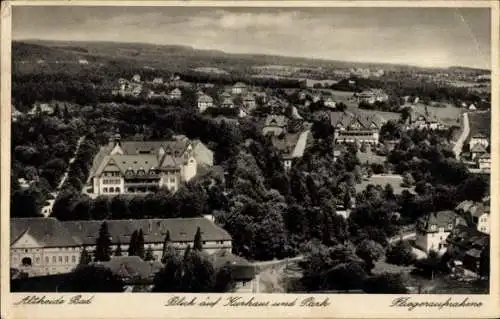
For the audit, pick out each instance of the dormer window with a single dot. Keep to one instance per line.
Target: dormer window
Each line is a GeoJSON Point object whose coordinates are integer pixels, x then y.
{"type": "Point", "coordinates": [433, 227]}
{"type": "Point", "coordinates": [450, 226]}
{"type": "Point", "coordinates": [129, 172]}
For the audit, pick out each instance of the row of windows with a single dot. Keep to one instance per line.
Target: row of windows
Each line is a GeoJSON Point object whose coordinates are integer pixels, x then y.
{"type": "Point", "coordinates": [55, 259]}
{"type": "Point", "coordinates": [112, 181]}
{"type": "Point", "coordinates": [60, 259]}
{"type": "Point", "coordinates": [111, 190]}
{"type": "Point", "coordinates": [113, 174]}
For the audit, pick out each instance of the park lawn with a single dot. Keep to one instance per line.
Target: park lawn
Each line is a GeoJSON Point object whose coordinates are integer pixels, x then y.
{"type": "Point", "coordinates": [370, 157]}
{"type": "Point", "coordinates": [449, 115]}
{"type": "Point", "coordinates": [382, 180]}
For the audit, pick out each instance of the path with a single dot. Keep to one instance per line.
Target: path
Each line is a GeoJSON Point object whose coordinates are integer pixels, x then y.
{"type": "Point", "coordinates": [47, 209]}
{"type": "Point", "coordinates": [457, 148]}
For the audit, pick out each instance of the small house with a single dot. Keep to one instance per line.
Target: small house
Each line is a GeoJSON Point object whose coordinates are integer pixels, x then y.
{"type": "Point", "coordinates": [175, 94]}
{"type": "Point", "coordinates": [204, 102]}
{"type": "Point", "coordinates": [275, 124]}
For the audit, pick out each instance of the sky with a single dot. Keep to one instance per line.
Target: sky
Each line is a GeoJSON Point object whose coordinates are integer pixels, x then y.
{"type": "Point", "coordinates": [433, 37]}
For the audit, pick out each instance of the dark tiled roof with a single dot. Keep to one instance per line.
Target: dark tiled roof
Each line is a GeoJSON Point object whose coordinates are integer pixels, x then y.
{"type": "Point", "coordinates": [476, 209]}
{"type": "Point", "coordinates": [276, 120]}
{"type": "Point", "coordinates": [441, 219]}
{"type": "Point", "coordinates": [181, 229]}
{"type": "Point", "coordinates": [478, 148]}
{"type": "Point", "coordinates": [48, 232]}
{"type": "Point", "coordinates": [467, 238]}
{"type": "Point", "coordinates": [345, 119]}
{"type": "Point", "coordinates": [241, 269]}
{"type": "Point", "coordinates": [239, 85]}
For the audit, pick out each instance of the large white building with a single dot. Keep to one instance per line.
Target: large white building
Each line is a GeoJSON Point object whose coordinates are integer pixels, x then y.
{"type": "Point", "coordinates": [44, 246]}
{"type": "Point", "coordinates": [131, 167]}
{"type": "Point", "coordinates": [433, 229]}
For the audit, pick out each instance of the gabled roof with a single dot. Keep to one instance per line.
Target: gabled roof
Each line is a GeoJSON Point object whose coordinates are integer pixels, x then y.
{"type": "Point", "coordinates": [176, 91]}
{"type": "Point", "coordinates": [248, 97]}
{"type": "Point", "coordinates": [478, 148]}
{"type": "Point", "coordinates": [131, 267]}
{"type": "Point", "coordinates": [346, 119]}
{"type": "Point", "coordinates": [139, 155]}
{"type": "Point", "coordinates": [476, 209]}
{"type": "Point", "coordinates": [239, 85]}
{"type": "Point", "coordinates": [128, 162]}
{"type": "Point", "coordinates": [47, 231]}
{"type": "Point", "coordinates": [180, 229]}
{"type": "Point", "coordinates": [276, 120]}
{"type": "Point", "coordinates": [205, 99]}
{"type": "Point", "coordinates": [441, 219]}
{"type": "Point", "coordinates": [227, 101]}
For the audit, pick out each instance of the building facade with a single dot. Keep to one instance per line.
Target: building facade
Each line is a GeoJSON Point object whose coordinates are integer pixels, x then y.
{"type": "Point", "coordinates": [355, 128]}
{"type": "Point", "coordinates": [478, 139]}
{"type": "Point", "coordinates": [131, 167]}
{"type": "Point", "coordinates": [239, 88]}
{"type": "Point", "coordinates": [433, 229]}
{"type": "Point", "coordinates": [204, 102]}
{"type": "Point", "coordinates": [45, 246]}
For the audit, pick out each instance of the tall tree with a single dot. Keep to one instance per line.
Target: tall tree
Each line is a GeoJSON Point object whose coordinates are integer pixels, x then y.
{"type": "Point", "coordinates": [166, 244]}
{"type": "Point", "coordinates": [187, 252]}
{"type": "Point", "coordinates": [140, 244]}
{"type": "Point", "coordinates": [132, 247]}
{"type": "Point", "coordinates": [103, 244]}
{"type": "Point", "coordinates": [85, 257]}
{"type": "Point", "coordinates": [370, 251]}
{"type": "Point", "coordinates": [118, 250]}
{"type": "Point", "coordinates": [198, 243]}
{"type": "Point", "coordinates": [149, 254]}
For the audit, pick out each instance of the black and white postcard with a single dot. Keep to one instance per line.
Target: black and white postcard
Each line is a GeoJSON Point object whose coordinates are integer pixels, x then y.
{"type": "Point", "coordinates": [249, 159]}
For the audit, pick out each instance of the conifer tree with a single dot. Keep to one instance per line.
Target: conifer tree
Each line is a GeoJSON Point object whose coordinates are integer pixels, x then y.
{"type": "Point", "coordinates": [85, 258]}
{"type": "Point", "coordinates": [132, 247]}
{"type": "Point", "coordinates": [187, 252]}
{"type": "Point", "coordinates": [149, 254]}
{"type": "Point", "coordinates": [103, 244]}
{"type": "Point", "coordinates": [166, 243]}
{"type": "Point", "coordinates": [198, 244]}
{"type": "Point", "coordinates": [140, 244]}
{"type": "Point", "coordinates": [118, 251]}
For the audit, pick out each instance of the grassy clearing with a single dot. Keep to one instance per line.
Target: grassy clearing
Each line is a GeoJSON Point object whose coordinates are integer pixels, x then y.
{"type": "Point", "coordinates": [382, 180]}
{"type": "Point", "coordinates": [370, 157]}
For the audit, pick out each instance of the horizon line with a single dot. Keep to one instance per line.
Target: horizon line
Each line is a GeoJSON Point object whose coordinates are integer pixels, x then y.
{"type": "Point", "coordinates": [262, 54]}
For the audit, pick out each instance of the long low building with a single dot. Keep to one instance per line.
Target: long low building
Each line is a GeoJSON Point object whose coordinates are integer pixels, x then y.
{"type": "Point", "coordinates": [46, 246]}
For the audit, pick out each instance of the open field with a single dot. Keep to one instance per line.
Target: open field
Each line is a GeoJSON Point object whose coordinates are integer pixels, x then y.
{"type": "Point", "coordinates": [449, 115]}
{"type": "Point", "coordinates": [370, 157]}
{"type": "Point", "coordinates": [382, 180]}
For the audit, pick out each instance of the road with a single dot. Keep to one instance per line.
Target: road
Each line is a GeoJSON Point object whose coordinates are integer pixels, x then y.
{"type": "Point", "coordinates": [457, 148]}
{"type": "Point", "coordinates": [47, 209]}
{"type": "Point", "coordinates": [405, 236]}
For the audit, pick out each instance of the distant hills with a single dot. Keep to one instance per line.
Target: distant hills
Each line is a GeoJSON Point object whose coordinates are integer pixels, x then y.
{"type": "Point", "coordinates": [167, 56]}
